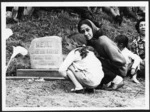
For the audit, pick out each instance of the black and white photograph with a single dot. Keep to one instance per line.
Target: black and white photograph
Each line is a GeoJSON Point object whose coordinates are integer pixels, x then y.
{"type": "Point", "coordinates": [75, 55]}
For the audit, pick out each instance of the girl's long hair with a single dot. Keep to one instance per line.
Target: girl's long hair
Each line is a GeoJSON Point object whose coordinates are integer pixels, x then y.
{"type": "Point", "coordinates": [84, 50]}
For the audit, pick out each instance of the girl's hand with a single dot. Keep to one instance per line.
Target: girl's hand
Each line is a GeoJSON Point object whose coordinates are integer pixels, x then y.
{"type": "Point", "coordinates": [143, 62]}
{"type": "Point", "coordinates": [133, 70]}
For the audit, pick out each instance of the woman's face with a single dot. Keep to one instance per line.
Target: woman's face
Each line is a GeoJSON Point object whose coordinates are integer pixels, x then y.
{"type": "Point", "coordinates": [142, 27]}
{"type": "Point", "coordinates": [87, 31]}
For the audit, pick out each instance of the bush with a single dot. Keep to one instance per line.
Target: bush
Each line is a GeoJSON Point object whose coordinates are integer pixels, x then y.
{"type": "Point", "coordinates": [60, 24]}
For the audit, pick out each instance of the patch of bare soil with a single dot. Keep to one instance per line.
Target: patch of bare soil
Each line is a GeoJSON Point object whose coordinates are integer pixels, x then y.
{"type": "Point", "coordinates": [22, 93]}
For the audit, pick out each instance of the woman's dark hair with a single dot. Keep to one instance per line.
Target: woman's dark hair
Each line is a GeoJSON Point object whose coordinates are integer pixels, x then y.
{"type": "Point", "coordinates": [97, 33]}
{"type": "Point", "coordinates": [82, 21]}
{"type": "Point", "coordinates": [88, 23]}
{"type": "Point", "coordinates": [138, 23]}
{"type": "Point", "coordinates": [122, 39]}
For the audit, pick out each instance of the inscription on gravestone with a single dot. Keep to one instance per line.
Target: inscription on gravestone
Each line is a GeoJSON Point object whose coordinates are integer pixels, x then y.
{"type": "Point", "coordinates": [46, 52]}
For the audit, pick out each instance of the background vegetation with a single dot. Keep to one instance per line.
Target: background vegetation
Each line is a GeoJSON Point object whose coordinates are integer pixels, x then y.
{"type": "Point", "coordinates": [61, 24]}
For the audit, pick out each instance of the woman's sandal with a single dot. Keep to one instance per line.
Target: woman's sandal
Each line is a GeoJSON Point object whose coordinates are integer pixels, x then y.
{"type": "Point", "coordinates": [87, 90]}
{"type": "Point", "coordinates": [77, 91]}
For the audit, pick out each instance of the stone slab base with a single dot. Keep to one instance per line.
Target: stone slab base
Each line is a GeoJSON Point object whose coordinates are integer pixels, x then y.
{"type": "Point", "coordinates": [44, 73]}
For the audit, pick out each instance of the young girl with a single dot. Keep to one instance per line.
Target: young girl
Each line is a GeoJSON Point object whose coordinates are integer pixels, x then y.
{"type": "Point", "coordinates": [83, 68]}
{"type": "Point", "coordinates": [112, 60]}
{"type": "Point", "coordinates": [133, 60]}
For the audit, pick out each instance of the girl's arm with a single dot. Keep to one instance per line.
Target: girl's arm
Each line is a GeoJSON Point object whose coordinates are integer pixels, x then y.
{"type": "Point", "coordinates": [136, 58]}
{"type": "Point", "coordinates": [67, 62]}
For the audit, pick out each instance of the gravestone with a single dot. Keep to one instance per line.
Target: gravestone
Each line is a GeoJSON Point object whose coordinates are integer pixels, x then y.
{"type": "Point", "coordinates": [45, 58]}
{"type": "Point", "coordinates": [46, 52]}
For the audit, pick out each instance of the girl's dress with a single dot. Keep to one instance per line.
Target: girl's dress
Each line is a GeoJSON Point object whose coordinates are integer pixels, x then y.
{"type": "Point", "coordinates": [88, 70]}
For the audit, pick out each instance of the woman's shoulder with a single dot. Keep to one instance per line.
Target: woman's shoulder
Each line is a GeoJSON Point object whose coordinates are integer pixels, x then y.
{"type": "Point", "coordinates": [136, 39]}
{"type": "Point", "coordinates": [104, 39]}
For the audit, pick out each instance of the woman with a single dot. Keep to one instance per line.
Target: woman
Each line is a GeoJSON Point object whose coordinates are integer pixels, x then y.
{"type": "Point", "coordinates": [113, 62]}
{"type": "Point", "coordinates": [83, 68]}
{"type": "Point", "coordinates": [138, 44]}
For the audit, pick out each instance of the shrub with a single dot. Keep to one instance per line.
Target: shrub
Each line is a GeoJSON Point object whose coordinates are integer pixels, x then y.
{"type": "Point", "coordinates": [60, 24]}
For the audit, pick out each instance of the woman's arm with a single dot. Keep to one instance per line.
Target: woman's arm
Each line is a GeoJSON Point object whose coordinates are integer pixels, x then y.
{"type": "Point", "coordinates": [113, 52]}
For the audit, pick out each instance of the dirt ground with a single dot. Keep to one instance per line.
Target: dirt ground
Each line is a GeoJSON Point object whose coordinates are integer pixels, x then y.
{"type": "Point", "coordinates": [24, 93]}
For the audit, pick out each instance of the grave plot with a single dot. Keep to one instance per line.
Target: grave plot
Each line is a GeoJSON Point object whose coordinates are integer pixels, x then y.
{"type": "Point", "coordinates": [45, 57]}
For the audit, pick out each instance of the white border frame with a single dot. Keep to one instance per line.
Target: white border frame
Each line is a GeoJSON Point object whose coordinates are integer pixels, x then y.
{"type": "Point", "coordinates": [65, 4]}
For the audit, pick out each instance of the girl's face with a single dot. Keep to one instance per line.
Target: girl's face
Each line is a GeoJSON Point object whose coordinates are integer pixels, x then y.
{"type": "Point", "coordinates": [69, 45]}
{"type": "Point", "coordinates": [120, 46]}
{"type": "Point", "coordinates": [87, 31]}
{"type": "Point", "coordinates": [142, 27]}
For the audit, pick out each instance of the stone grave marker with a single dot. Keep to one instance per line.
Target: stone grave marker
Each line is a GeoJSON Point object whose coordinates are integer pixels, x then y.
{"type": "Point", "coordinates": [45, 58]}
{"type": "Point", "coordinates": [46, 52]}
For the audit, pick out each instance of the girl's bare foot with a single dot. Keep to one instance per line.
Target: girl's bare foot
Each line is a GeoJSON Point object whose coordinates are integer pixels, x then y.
{"type": "Point", "coordinates": [135, 80]}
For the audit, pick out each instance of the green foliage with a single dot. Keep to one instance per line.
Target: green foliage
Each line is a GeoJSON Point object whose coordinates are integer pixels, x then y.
{"type": "Point", "coordinates": [60, 24]}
